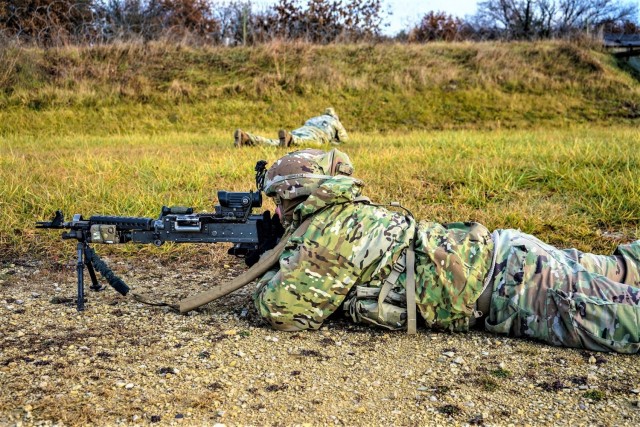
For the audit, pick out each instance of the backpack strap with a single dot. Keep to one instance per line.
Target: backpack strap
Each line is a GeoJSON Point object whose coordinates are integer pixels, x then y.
{"type": "Point", "coordinates": [406, 263]}
{"type": "Point", "coordinates": [410, 289]}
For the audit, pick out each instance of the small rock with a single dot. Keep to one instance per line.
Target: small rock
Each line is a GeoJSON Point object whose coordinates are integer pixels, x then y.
{"type": "Point", "coordinates": [240, 354]}
{"type": "Point", "coordinates": [449, 354]}
{"type": "Point", "coordinates": [433, 398]}
{"type": "Point", "coordinates": [19, 302]}
{"type": "Point", "coordinates": [120, 384]}
{"type": "Point", "coordinates": [458, 361]}
{"type": "Point", "coordinates": [129, 386]}
{"type": "Point", "coordinates": [635, 391]}
{"type": "Point", "coordinates": [592, 360]}
{"type": "Point", "coordinates": [230, 332]}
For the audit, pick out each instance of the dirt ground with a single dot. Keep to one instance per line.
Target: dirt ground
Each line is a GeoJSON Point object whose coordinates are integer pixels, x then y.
{"type": "Point", "coordinates": [123, 363]}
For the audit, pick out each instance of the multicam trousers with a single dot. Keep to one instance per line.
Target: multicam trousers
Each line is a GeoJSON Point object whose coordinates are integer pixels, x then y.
{"type": "Point", "coordinates": [307, 136]}
{"type": "Point", "coordinates": [566, 297]}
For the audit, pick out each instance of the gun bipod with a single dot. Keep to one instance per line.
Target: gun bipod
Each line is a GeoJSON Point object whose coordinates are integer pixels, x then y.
{"type": "Point", "coordinates": [87, 257]}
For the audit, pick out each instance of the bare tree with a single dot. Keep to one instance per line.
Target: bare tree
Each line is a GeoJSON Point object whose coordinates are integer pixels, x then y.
{"type": "Point", "coordinates": [527, 19]}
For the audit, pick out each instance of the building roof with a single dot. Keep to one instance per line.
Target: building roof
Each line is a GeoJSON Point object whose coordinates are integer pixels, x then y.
{"type": "Point", "coordinates": [622, 40]}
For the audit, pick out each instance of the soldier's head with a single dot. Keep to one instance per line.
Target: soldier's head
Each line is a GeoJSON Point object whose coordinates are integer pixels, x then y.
{"type": "Point", "coordinates": [292, 178]}
{"type": "Point", "coordinates": [331, 112]}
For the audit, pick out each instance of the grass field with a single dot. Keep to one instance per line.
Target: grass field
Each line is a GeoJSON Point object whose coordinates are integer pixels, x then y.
{"type": "Point", "coordinates": [538, 136]}
{"type": "Point", "coordinates": [571, 187]}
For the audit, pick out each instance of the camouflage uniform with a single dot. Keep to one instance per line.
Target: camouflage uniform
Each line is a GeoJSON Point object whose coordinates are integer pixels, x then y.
{"type": "Point", "coordinates": [563, 297]}
{"type": "Point", "coordinates": [350, 248]}
{"type": "Point", "coordinates": [566, 297]}
{"type": "Point", "coordinates": [316, 132]}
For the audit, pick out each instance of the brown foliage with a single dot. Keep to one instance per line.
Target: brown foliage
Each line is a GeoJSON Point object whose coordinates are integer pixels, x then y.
{"type": "Point", "coordinates": [46, 21]}
{"type": "Point", "coordinates": [437, 26]}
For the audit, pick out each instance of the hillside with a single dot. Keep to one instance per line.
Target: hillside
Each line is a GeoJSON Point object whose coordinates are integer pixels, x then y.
{"type": "Point", "coordinates": [151, 88]}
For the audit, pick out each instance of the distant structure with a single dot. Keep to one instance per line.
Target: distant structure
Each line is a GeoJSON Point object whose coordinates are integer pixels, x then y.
{"type": "Point", "coordinates": [623, 45]}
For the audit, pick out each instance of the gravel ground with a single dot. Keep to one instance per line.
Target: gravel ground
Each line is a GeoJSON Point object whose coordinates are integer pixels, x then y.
{"type": "Point", "coordinates": [120, 362]}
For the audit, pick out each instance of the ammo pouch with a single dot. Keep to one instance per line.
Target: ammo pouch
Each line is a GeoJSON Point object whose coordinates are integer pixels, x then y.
{"type": "Point", "coordinates": [386, 306]}
{"type": "Point", "coordinates": [391, 314]}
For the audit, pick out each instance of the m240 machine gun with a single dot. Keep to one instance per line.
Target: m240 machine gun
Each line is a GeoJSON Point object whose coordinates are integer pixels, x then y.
{"type": "Point", "coordinates": [232, 221]}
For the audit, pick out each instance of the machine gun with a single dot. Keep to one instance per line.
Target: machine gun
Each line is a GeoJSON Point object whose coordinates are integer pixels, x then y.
{"type": "Point", "coordinates": [232, 221]}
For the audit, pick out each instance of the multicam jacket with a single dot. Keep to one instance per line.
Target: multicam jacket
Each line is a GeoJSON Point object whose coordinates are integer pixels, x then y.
{"type": "Point", "coordinates": [350, 248]}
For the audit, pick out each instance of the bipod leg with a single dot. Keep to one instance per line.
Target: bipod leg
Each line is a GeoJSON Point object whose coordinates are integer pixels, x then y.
{"type": "Point", "coordinates": [95, 286]}
{"type": "Point", "coordinates": [80, 270]}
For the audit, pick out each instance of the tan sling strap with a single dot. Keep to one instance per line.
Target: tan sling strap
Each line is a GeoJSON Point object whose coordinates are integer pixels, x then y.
{"type": "Point", "coordinates": [268, 260]}
{"type": "Point", "coordinates": [408, 265]}
{"type": "Point", "coordinates": [410, 289]}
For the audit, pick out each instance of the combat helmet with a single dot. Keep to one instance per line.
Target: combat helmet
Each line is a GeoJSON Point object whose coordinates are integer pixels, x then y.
{"type": "Point", "coordinates": [331, 112]}
{"type": "Point", "coordinates": [300, 173]}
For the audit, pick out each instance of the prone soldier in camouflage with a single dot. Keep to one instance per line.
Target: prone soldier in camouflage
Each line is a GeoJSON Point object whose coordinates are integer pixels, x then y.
{"type": "Point", "coordinates": [316, 132]}
{"type": "Point", "coordinates": [507, 281]}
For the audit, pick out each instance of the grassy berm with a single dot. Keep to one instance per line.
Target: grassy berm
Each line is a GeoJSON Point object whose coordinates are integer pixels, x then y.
{"type": "Point", "coordinates": [543, 137]}
{"type": "Point", "coordinates": [154, 88]}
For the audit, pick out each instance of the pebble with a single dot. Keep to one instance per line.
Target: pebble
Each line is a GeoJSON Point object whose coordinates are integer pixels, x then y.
{"type": "Point", "coordinates": [592, 360]}
{"type": "Point", "coordinates": [262, 392]}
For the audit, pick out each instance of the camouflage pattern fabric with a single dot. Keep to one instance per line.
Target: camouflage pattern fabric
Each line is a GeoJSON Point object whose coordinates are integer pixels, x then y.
{"type": "Point", "coordinates": [316, 132]}
{"type": "Point", "coordinates": [261, 140]}
{"type": "Point", "coordinates": [348, 251]}
{"type": "Point", "coordinates": [566, 297]}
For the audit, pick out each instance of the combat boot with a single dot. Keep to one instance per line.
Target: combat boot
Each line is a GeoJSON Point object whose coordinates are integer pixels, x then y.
{"type": "Point", "coordinates": [285, 138]}
{"type": "Point", "coordinates": [241, 138]}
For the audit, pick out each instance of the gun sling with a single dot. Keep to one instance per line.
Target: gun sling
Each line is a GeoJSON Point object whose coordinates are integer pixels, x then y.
{"type": "Point", "coordinates": [257, 270]}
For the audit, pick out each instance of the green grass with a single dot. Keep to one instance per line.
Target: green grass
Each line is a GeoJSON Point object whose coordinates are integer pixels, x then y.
{"type": "Point", "coordinates": [160, 88]}
{"type": "Point", "coordinates": [566, 186]}
{"type": "Point", "coordinates": [537, 136]}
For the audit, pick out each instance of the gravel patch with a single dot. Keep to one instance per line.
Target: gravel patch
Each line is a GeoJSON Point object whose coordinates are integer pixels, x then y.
{"type": "Point", "coordinates": [120, 362]}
